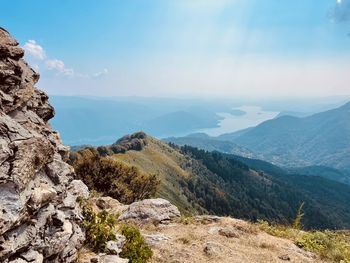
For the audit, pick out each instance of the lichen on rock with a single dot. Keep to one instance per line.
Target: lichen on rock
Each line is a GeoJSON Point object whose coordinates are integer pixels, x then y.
{"type": "Point", "coordinates": [39, 214]}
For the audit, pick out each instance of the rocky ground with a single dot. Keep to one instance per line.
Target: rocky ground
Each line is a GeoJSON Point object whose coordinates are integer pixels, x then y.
{"type": "Point", "coordinates": [176, 239]}
{"type": "Point", "coordinates": [224, 240]}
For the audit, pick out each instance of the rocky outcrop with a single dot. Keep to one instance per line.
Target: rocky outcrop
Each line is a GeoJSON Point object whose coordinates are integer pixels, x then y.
{"type": "Point", "coordinates": [150, 210]}
{"type": "Point", "coordinates": [109, 204]}
{"type": "Point", "coordinates": [39, 214]}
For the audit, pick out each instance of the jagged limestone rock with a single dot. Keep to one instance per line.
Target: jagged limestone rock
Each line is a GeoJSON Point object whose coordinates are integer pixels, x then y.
{"type": "Point", "coordinates": [153, 210]}
{"type": "Point", "coordinates": [39, 213]}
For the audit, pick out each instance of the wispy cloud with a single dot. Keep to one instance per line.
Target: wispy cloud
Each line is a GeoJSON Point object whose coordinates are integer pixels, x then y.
{"type": "Point", "coordinates": [34, 50]}
{"type": "Point", "coordinates": [58, 66]}
{"type": "Point", "coordinates": [37, 57]}
{"type": "Point", "coordinates": [101, 73]}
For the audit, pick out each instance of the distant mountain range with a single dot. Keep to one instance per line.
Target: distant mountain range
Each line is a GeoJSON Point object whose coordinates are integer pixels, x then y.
{"type": "Point", "coordinates": [198, 181]}
{"type": "Point", "coordinates": [322, 139]}
{"type": "Point", "coordinates": [96, 121]}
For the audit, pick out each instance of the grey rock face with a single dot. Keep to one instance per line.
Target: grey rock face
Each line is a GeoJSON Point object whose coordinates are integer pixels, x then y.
{"type": "Point", "coordinates": [115, 247]}
{"type": "Point", "coordinates": [154, 210]}
{"type": "Point", "coordinates": [154, 239]}
{"type": "Point", "coordinates": [112, 259]}
{"type": "Point", "coordinates": [39, 214]}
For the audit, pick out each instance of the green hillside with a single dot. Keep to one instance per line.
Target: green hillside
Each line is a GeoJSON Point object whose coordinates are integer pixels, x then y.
{"type": "Point", "coordinates": [198, 181]}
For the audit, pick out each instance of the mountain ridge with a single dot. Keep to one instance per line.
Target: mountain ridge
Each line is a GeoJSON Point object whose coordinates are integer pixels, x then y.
{"type": "Point", "coordinates": [198, 181]}
{"type": "Point", "coordinates": [322, 139]}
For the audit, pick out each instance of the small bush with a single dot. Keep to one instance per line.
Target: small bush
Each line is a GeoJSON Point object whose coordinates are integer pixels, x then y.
{"type": "Point", "coordinates": [135, 247]}
{"type": "Point", "coordinates": [99, 228]}
{"type": "Point", "coordinates": [327, 244]}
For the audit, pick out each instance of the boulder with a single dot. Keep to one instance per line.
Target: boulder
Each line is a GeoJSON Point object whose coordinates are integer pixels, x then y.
{"type": "Point", "coordinates": [109, 204]}
{"type": "Point", "coordinates": [153, 239]}
{"type": "Point", "coordinates": [229, 232]}
{"type": "Point", "coordinates": [150, 210]}
{"type": "Point", "coordinates": [212, 249]}
{"type": "Point", "coordinates": [112, 259]}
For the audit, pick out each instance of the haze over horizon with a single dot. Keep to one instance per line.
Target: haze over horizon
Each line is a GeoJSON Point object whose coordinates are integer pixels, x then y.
{"type": "Point", "coordinates": [245, 48]}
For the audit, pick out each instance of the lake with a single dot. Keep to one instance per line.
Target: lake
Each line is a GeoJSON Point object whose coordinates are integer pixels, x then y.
{"type": "Point", "coordinates": [253, 116]}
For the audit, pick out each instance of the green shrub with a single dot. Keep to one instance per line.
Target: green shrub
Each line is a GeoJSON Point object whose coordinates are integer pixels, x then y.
{"type": "Point", "coordinates": [99, 227]}
{"type": "Point", "coordinates": [328, 244]}
{"type": "Point", "coordinates": [110, 177]}
{"type": "Point", "coordinates": [135, 247]}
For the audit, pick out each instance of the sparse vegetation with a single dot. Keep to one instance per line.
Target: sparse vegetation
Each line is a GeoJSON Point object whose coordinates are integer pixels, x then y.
{"type": "Point", "coordinates": [99, 227]}
{"type": "Point", "coordinates": [282, 231]}
{"type": "Point", "coordinates": [329, 245]}
{"type": "Point", "coordinates": [113, 178]}
{"type": "Point", "coordinates": [298, 217]}
{"type": "Point", "coordinates": [135, 247]}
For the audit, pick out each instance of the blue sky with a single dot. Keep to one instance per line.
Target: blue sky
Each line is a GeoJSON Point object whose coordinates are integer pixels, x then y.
{"type": "Point", "coordinates": [238, 48]}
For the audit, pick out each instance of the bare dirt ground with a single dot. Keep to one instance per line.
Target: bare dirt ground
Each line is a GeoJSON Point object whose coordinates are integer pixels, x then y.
{"type": "Point", "coordinates": [223, 240]}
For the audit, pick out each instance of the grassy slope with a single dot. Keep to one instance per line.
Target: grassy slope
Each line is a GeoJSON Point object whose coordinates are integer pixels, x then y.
{"type": "Point", "coordinates": [201, 182]}
{"type": "Point", "coordinates": [161, 159]}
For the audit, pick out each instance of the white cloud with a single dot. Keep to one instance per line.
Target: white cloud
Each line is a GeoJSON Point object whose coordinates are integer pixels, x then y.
{"type": "Point", "coordinates": [101, 73]}
{"type": "Point", "coordinates": [36, 55]}
{"type": "Point", "coordinates": [55, 64]}
{"type": "Point", "coordinates": [34, 50]}
{"type": "Point", "coordinates": [58, 66]}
